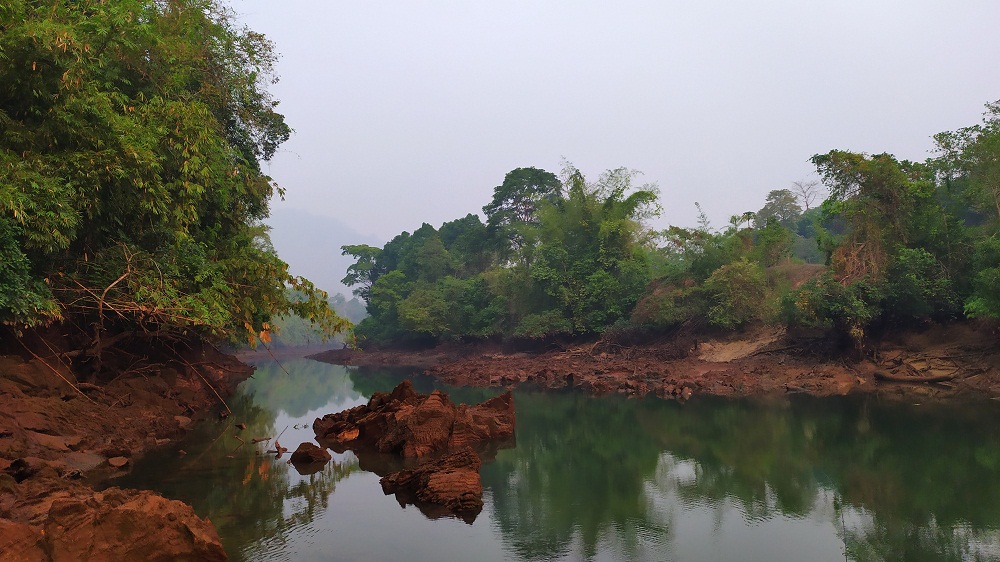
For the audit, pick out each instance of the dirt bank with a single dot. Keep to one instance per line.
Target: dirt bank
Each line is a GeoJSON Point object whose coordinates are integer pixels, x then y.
{"type": "Point", "coordinates": [58, 437]}
{"type": "Point", "coordinates": [960, 357]}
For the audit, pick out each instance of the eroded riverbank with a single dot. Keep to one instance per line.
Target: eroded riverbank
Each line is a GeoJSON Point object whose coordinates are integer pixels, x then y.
{"type": "Point", "coordinates": [960, 358]}
{"type": "Point", "coordinates": [57, 440]}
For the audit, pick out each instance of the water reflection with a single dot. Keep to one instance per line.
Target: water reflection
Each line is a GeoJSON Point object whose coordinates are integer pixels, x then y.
{"type": "Point", "coordinates": [725, 479]}
{"type": "Point", "coordinates": [612, 479]}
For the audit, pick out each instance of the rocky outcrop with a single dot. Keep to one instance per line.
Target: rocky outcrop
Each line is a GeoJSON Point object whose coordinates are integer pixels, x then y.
{"type": "Point", "coordinates": [452, 482]}
{"type": "Point", "coordinates": [421, 426]}
{"type": "Point", "coordinates": [114, 525]}
{"type": "Point", "coordinates": [414, 425]}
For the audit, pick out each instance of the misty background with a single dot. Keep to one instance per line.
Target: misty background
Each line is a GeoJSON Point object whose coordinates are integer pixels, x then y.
{"type": "Point", "coordinates": [413, 112]}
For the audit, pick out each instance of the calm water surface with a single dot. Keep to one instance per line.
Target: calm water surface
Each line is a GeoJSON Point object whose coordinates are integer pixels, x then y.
{"type": "Point", "coordinates": [609, 478]}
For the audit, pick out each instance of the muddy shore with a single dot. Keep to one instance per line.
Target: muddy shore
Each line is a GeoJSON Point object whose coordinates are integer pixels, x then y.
{"type": "Point", "coordinates": [60, 437]}
{"type": "Point", "coordinates": [960, 358]}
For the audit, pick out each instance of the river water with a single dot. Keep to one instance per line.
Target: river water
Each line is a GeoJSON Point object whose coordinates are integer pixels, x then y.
{"type": "Point", "coordinates": [608, 478]}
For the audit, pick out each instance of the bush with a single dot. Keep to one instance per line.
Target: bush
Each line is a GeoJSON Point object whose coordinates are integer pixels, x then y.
{"type": "Point", "coordinates": [542, 324]}
{"type": "Point", "coordinates": [985, 299]}
{"type": "Point", "coordinates": [738, 292]}
{"type": "Point", "coordinates": [917, 288]}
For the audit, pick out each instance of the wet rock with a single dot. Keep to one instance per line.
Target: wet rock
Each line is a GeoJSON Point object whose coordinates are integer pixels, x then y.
{"type": "Point", "coordinates": [129, 525]}
{"type": "Point", "coordinates": [415, 425]}
{"type": "Point", "coordinates": [452, 482]}
{"type": "Point", "coordinates": [307, 453]}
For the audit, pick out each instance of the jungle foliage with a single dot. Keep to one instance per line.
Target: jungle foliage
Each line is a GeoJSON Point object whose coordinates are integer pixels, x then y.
{"type": "Point", "coordinates": [131, 191]}
{"type": "Point", "coordinates": [895, 243]}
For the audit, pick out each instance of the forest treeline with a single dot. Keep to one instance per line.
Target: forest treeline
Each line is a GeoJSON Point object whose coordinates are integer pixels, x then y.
{"type": "Point", "coordinates": [131, 190]}
{"type": "Point", "coordinates": [890, 244]}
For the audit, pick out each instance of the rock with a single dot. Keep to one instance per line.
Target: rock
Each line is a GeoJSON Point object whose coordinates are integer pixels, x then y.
{"type": "Point", "coordinates": [452, 481]}
{"type": "Point", "coordinates": [183, 421]}
{"type": "Point", "coordinates": [307, 453]}
{"type": "Point", "coordinates": [416, 425]}
{"type": "Point", "coordinates": [118, 462]}
{"type": "Point", "coordinates": [129, 525]}
{"type": "Point", "coordinates": [55, 442]}
{"type": "Point", "coordinates": [21, 543]}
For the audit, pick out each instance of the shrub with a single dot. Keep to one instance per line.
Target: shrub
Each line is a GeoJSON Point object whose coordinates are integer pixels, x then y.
{"type": "Point", "coordinates": [737, 292]}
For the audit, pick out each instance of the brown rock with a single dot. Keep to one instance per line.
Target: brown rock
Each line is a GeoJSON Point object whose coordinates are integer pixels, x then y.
{"type": "Point", "coordinates": [415, 425]}
{"type": "Point", "coordinates": [452, 481]}
{"type": "Point", "coordinates": [21, 543]}
{"type": "Point", "coordinates": [129, 525]}
{"type": "Point", "coordinates": [307, 453]}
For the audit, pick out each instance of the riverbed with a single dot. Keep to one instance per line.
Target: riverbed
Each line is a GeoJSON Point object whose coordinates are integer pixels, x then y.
{"type": "Point", "coordinates": [606, 478]}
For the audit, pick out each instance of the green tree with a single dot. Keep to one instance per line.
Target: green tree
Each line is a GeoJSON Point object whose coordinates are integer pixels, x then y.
{"type": "Point", "coordinates": [588, 258]}
{"type": "Point", "coordinates": [782, 207]}
{"type": "Point", "coordinates": [365, 271]}
{"type": "Point", "coordinates": [973, 153]}
{"type": "Point", "coordinates": [515, 205]}
{"type": "Point", "coordinates": [131, 135]}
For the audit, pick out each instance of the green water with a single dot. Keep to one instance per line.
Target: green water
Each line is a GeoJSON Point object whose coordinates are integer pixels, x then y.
{"type": "Point", "coordinates": [610, 478]}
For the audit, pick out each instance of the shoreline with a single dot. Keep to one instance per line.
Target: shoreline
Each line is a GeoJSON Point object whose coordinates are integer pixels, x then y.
{"type": "Point", "coordinates": [957, 359]}
{"type": "Point", "coordinates": [58, 443]}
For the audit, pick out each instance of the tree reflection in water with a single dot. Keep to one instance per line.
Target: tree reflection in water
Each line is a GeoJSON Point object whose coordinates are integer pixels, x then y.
{"type": "Point", "coordinates": [617, 478]}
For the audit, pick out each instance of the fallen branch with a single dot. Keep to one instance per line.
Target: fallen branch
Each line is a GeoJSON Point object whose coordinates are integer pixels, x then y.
{"type": "Point", "coordinates": [208, 384]}
{"type": "Point", "coordinates": [889, 377]}
{"type": "Point", "coordinates": [42, 361]}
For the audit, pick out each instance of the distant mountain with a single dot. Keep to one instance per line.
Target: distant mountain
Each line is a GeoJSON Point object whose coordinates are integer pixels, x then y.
{"type": "Point", "coordinates": [310, 244]}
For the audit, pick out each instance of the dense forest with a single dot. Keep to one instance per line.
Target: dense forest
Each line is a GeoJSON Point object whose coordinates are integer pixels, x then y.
{"type": "Point", "coordinates": [131, 191]}
{"type": "Point", "coordinates": [881, 243]}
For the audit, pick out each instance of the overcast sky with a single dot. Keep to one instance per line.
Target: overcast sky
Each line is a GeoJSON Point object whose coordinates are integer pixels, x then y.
{"type": "Point", "coordinates": [411, 112]}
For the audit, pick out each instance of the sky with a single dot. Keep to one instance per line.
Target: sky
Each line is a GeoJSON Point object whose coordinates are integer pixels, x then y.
{"type": "Point", "coordinates": [412, 112]}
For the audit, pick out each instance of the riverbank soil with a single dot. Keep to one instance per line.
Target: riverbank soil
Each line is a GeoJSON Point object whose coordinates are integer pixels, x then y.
{"type": "Point", "coordinates": [958, 358]}
{"type": "Point", "coordinates": [59, 436]}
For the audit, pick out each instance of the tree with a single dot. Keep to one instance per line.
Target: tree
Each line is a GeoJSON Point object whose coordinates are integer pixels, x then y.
{"type": "Point", "coordinates": [973, 153]}
{"type": "Point", "coordinates": [366, 271]}
{"type": "Point", "coordinates": [782, 207]}
{"type": "Point", "coordinates": [515, 203]}
{"type": "Point", "coordinates": [131, 135]}
{"type": "Point", "coordinates": [807, 192]}
{"type": "Point", "coordinates": [588, 258]}
{"type": "Point", "coordinates": [876, 197]}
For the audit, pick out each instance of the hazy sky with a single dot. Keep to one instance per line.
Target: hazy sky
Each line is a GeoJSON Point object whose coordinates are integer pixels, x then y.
{"type": "Point", "coordinates": [411, 112]}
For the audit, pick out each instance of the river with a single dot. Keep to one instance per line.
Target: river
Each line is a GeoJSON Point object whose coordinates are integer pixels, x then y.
{"type": "Point", "coordinates": [608, 478]}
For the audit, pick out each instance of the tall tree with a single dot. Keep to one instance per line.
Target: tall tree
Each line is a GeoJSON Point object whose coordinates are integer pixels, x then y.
{"type": "Point", "coordinates": [782, 207]}
{"type": "Point", "coordinates": [515, 204]}
{"type": "Point", "coordinates": [807, 192]}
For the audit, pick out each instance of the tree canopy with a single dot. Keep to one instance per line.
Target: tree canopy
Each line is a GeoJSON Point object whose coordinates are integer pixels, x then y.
{"type": "Point", "coordinates": [895, 243]}
{"type": "Point", "coordinates": [131, 192]}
